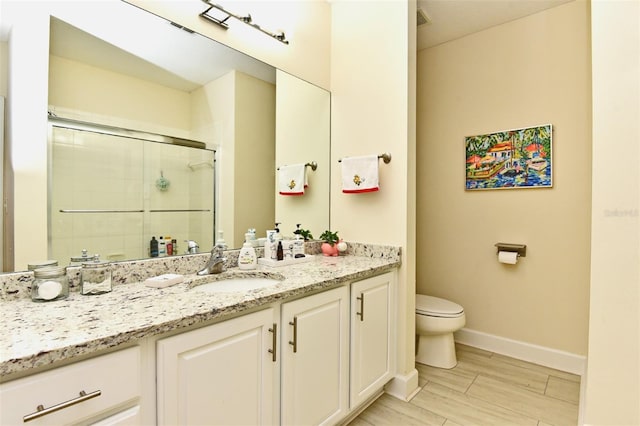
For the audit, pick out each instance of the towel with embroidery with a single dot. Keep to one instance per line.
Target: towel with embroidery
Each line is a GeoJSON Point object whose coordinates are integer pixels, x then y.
{"type": "Point", "coordinates": [292, 180]}
{"type": "Point", "coordinates": [360, 174]}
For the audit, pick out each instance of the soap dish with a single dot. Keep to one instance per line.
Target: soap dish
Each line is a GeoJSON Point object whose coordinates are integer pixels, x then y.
{"type": "Point", "coordinates": [164, 280]}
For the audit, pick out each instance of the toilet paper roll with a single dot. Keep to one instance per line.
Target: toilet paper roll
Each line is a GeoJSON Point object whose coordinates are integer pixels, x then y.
{"type": "Point", "coordinates": [510, 257]}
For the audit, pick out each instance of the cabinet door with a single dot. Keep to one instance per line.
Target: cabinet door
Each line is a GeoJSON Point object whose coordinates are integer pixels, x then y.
{"type": "Point", "coordinates": [372, 355]}
{"type": "Point", "coordinates": [222, 374]}
{"type": "Point", "coordinates": [315, 359]}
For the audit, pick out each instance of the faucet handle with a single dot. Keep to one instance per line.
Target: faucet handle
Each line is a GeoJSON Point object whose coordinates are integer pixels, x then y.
{"type": "Point", "coordinates": [218, 250]}
{"type": "Point", "coordinates": [192, 246]}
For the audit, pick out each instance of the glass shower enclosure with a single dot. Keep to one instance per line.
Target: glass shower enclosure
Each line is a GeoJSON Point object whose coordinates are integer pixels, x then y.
{"type": "Point", "coordinates": [111, 190]}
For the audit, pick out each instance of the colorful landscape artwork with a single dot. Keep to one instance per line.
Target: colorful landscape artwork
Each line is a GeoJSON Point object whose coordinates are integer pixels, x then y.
{"type": "Point", "coordinates": [519, 158]}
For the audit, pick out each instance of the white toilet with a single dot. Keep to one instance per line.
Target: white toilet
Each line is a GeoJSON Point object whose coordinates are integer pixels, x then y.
{"type": "Point", "coordinates": [436, 320]}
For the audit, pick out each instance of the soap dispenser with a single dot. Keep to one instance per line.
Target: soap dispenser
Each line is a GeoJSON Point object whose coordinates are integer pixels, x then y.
{"type": "Point", "coordinates": [252, 236]}
{"type": "Point", "coordinates": [220, 242]}
{"type": "Point", "coordinates": [277, 236]}
{"type": "Point", "coordinates": [247, 258]}
{"type": "Point", "coordinates": [298, 243]}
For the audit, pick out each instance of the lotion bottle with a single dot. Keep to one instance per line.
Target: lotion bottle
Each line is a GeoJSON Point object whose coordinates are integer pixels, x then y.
{"type": "Point", "coordinates": [162, 249]}
{"type": "Point", "coordinates": [247, 258]}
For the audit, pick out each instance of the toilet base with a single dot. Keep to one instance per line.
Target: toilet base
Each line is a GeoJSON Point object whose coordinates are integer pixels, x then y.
{"type": "Point", "coordinates": [437, 350]}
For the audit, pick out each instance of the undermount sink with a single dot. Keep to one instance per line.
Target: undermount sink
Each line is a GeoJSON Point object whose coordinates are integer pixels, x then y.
{"type": "Point", "coordinates": [239, 282]}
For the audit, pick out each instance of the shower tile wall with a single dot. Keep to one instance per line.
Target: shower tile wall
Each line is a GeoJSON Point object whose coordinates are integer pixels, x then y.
{"type": "Point", "coordinates": [99, 172]}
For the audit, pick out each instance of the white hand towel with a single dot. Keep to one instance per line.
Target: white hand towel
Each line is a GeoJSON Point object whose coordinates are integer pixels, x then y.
{"type": "Point", "coordinates": [292, 179]}
{"type": "Point", "coordinates": [360, 174]}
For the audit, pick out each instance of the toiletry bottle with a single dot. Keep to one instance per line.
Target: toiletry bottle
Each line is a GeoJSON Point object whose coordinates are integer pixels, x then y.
{"type": "Point", "coordinates": [169, 246]}
{"type": "Point", "coordinates": [288, 250]}
{"type": "Point", "coordinates": [162, 249]}
{"type": "Point", "coordinates": [279, 251]}
{"type": "Point", "coordinates": [174, 246]}
{"type": "Point", "coordinates": [247, 258]}
{"type": "Point", "coordinates": [221, 243]}
{"type": "Point", "coordinates": [269, 251]}
{"type": "Point", "coordinates": [298, 243]}
{"type": "Point", "coordinates": [153, 247]}
{"type": "Point", "coordinates": [277, 236]}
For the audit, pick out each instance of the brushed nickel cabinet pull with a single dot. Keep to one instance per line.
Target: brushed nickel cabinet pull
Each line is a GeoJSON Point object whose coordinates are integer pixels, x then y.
{"type": "Point", "coordinates": [274, 341]}
{"type": "Point", "coordinates": [361, 313]}
{"type": "Point", "coordinates": [294, 343]}
{"type": "Point", "coordinates": [41, 411]}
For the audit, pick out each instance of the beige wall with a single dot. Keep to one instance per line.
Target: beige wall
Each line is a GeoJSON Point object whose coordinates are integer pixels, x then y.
{"type": "Point", "coordinates": [3, 68]}
{"type": "Point", "coordinates": [528, 72]}
{"type": "Point", "coordinates": [81, 91]}
{"type": "Point", "coordinates": [236, 112]}
{"type": "Point", "coordinates": [373, 111]}
{"type": "Point", "coordinates": [613, 372]}
{"type": "Point", "coordinates": [303, 131]}
{"type": "Point", "coordinates": [255, 121]}
{"type": "Point", "coordinates": [214, 106]}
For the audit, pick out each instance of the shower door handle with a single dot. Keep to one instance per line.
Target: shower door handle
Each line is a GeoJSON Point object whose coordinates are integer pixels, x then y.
{"type": "Point", "coordinates": [99, 211]}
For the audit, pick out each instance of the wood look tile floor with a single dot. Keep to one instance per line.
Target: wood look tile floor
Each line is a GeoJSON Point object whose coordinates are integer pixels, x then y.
{"type": "Point", "coordinates": [485, 389]}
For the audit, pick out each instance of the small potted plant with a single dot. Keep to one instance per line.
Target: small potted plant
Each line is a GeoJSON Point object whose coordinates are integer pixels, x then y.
{"type": "Point", "coordinates": [304, 233]}
{"type": "Point", "coordinates": [330, 243]}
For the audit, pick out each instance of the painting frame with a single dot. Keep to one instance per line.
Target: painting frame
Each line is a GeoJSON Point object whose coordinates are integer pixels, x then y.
{"type": "Point", "coordinates": [519, 158]}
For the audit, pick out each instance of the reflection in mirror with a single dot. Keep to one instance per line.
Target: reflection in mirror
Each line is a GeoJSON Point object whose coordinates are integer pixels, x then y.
{"type": "Point", "coordinates": [301, 133]}
{"type": "Point", "coordinates": [151, 76]}
{"type": "Point", "coordinates": [110, 189]}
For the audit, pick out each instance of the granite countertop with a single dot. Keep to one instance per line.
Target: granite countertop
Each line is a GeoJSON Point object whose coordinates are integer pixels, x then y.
{"type": "Point", "coordinates": [38, 334]}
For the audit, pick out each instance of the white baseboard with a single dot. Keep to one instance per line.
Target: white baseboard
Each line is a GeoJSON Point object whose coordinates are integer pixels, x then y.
{"type": "Point", "coordinates": [403, 387]}
{"type": "Point", "coordinates": [548, 357]}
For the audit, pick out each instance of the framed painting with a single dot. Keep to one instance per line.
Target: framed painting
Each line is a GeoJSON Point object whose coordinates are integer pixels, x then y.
{"type": "Point", "coordinates": [519, 158]}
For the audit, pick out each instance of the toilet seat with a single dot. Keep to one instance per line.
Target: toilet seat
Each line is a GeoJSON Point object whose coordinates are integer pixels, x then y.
{"type": "Point", "coordinates": [436, 307]}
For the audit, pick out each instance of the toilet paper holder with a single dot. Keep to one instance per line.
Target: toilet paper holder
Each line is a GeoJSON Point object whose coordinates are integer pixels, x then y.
{"type": "Point", "coordinates": [521, 249]}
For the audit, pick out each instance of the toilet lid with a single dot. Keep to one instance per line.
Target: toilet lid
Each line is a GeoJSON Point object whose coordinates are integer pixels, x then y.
{"type": "Point", "coordinates": [436, 307]}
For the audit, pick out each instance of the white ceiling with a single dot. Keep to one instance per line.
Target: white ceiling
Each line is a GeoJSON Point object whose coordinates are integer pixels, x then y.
{"type": "Point", "coordinates": [452, 19]}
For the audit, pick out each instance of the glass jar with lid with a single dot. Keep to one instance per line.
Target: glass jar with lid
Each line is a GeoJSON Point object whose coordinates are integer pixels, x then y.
{"type": "Point", "coordinates": [95, 278]}
{"type": "Point", "coordinates": [50, 283]}
{"type": "Point", "coordinates": [32, 266]}
{"type": "Point", "coordinates": [84, 257]}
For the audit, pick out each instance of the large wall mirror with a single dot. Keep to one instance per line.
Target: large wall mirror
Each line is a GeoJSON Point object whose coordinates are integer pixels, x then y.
{"type": "Point", "coordinates": [161, 79]}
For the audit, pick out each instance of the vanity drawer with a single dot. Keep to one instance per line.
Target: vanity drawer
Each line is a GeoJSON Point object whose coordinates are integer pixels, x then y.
{"type": "Point", "coordinates": [79, 392]}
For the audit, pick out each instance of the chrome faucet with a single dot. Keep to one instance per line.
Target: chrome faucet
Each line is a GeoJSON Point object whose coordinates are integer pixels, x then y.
{"type": "Point", "coordinates": [192, 247]}
{"type": "Point", "coordinates": [216, 263]}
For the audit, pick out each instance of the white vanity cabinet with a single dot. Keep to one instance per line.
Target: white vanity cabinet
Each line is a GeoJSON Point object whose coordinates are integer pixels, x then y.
{"type": "Point", "coordinates": [315, 358]}
{"type": "Point", "coordinates": [105, 390]}
{"type": "Point", "coordinates": [222, 374]}
{"type": "Point", "coordinates": [372, 351]}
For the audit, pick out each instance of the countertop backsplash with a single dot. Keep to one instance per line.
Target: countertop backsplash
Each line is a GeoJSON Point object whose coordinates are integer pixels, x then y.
{"type": "Point", "coordinates": [14, 286]}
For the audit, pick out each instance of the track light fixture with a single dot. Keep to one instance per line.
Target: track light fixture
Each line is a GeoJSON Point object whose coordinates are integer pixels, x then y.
{"type": "Point", "coordinates": [219, 16]}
